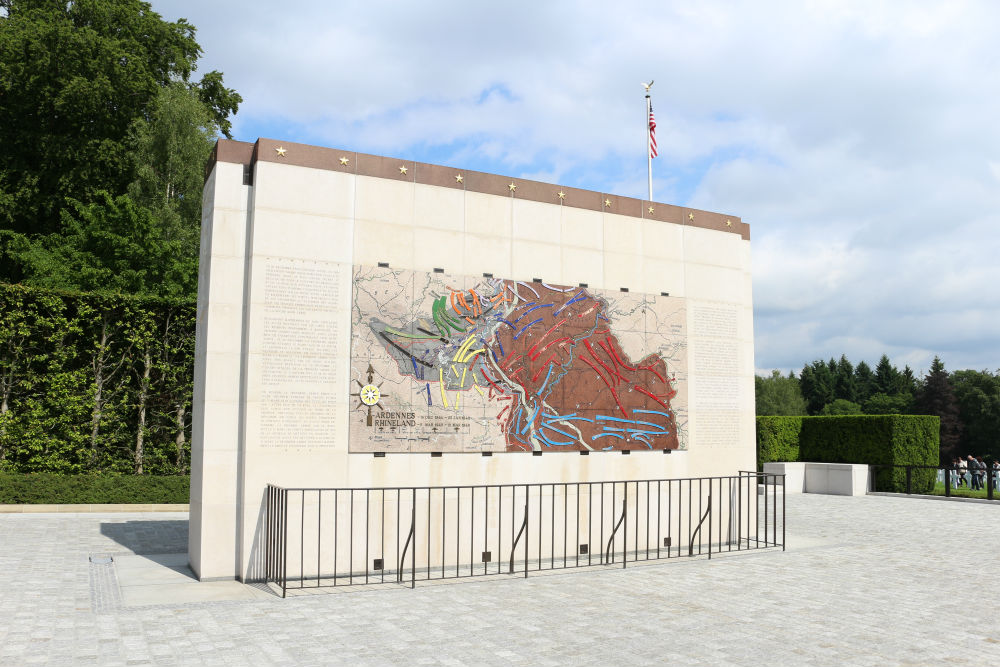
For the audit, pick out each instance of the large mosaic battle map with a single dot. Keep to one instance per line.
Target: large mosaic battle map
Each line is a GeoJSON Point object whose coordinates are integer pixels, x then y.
{"type": "Point", "coordinates": [446, 363]}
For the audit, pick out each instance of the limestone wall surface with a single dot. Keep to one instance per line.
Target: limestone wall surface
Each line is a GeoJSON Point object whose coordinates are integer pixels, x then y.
{"type": "Point", "coordinates": [284, 233]}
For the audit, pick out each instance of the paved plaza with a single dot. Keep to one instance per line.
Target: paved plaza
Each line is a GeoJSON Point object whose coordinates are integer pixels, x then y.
{"type": "Point", "coordinates": [865, 581]}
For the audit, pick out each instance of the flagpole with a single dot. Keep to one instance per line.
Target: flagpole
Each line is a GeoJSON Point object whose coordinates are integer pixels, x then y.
{"type": "Point", "coordinates": [649, 153]}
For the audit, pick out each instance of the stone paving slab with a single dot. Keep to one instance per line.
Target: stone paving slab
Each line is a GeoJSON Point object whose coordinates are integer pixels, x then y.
{"type": "Point", "coordinates": [160, 579]}
{"type": "Point", "coordinates": [866, 581]}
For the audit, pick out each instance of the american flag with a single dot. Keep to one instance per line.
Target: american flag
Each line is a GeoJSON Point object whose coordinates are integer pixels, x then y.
{"type": "Point", "coordinates": [652, 133]}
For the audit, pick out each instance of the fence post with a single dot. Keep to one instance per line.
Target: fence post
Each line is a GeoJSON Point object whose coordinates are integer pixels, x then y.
{"type": "Point", "coordinates": [625, 532]}
{"type": "Point", "coordinates": [783, 488]}
{"type": "Point", "coordinates": [527, 501]}
{"type": "Point", "coordinates": [413, 531]}
{"type": "Point", "coordinates": [709, 519]}
{"type": "Point", "coordinates": [989, 483]}
{"type": "Point", "coordinates": [947, 482]}
{"type": "Point", "coordinates": [284, 542]}
{"type": "Point", "coordinates": [909, 471]}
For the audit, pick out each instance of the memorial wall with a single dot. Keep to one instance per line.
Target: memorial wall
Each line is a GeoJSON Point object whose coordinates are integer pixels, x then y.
{"type": "Point", "coordinates": [368, 322]}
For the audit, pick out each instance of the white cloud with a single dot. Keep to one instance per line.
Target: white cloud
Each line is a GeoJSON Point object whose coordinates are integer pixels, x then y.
{"type": "Point", "coordinates": [858, 138]}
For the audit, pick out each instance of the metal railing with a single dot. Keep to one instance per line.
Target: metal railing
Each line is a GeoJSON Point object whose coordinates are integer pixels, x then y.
{"type": "Point", "coordinates": [913, 479]}
{"type": "Point", "coordinates": [317, 538]}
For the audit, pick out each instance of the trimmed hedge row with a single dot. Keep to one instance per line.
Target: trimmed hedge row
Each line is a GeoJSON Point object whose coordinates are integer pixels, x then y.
{"type": "Point", "coordinates": [871, 439]}
{"type": "Point", "coordinates": [778, 439]}
{"type": "Point", "coordinates": [56, 489]}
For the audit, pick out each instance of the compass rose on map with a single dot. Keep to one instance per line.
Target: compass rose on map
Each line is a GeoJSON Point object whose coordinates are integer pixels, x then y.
{"type": "Point", "coordinates": [369, 395]}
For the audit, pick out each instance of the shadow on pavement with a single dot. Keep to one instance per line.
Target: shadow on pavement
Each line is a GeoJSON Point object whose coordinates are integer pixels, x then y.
{"type": "Point", "coordinates": [162, 536]}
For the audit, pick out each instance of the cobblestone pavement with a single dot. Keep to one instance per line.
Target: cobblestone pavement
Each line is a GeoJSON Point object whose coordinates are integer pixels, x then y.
{"type": "Point", "coordinates": [865, 581]}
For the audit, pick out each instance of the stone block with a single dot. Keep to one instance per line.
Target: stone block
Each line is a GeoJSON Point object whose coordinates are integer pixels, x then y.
{"type": "Point", "coordinates": [794, 472]}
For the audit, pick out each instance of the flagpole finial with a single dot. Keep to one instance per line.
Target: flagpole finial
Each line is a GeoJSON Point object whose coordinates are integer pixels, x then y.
{"type": "Point", "coordinates": [647, 86]}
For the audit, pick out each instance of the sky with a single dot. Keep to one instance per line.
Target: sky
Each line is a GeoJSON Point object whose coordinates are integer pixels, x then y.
{"type": "Point", "coordinates": [858, 139]}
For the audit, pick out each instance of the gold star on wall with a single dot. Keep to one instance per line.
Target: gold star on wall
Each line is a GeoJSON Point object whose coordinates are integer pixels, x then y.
{"type": "Point", "coordinates": [650, 209]}
{"type": "Point", "coordinates": [562, 195]}
{"type": "Point", "coordinates": [690, 216]}
{"type": "Point", "coordinates": [458, 178]}
{"type": "Point", "coordinates": [344, 161]}
{"type": "Point", "coordinates": [729, 223]}
{"type": "Point", "coordinates": [280, 150]}
{"type": "Point", "coordinates": [607, 203]}
{"type": "Point", "coordinates": [512, 187]}
{"type": "Point", "coordinates": [402, 169]}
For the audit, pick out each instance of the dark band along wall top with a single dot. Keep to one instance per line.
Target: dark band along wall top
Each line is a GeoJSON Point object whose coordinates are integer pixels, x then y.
{"type": "Point", "coordinates": [461, 364]}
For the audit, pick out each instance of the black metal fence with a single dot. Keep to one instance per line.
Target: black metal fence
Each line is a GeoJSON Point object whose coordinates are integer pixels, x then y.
{"type": "Point", "coordinates": [934, 480]}
{"type": "Point", "coordinates": [317, 538]}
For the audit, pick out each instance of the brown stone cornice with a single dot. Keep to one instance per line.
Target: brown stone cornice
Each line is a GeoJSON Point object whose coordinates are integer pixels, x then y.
{"type": "Point", "coordinates": [361, 164]}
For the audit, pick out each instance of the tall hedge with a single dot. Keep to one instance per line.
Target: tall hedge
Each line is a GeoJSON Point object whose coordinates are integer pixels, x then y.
{"type": "Point", "coordinates": [871, 439]}
{"type": "Point", "coordinates": [778, 439]}
{"type": "Point", "coordinates": [94, 383]}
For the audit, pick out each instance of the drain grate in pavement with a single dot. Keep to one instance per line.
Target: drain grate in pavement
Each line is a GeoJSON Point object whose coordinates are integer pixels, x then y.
{"type": "Point", "coordinates": [105, 594]}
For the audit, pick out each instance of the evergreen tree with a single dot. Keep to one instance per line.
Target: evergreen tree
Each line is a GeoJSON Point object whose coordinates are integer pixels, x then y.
{"type": "Point", "coordinates": [864, 380]}
{"type": "Point", "coordinates": [937, 397]}
{"type": "Point", "coordinates": [817, 385]}
{"type": "Point", "coordinates": [806, 385]}
{"type": "Point", "coordinates": [886, 377]}
{"type": "Point", "coordinates": [845, 386]}
{"type": "Point", "coordinates": [908, 381]}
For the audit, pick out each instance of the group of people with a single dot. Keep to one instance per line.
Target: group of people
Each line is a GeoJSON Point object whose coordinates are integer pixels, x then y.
{"type": "Point", "coordinates": [972, 471]}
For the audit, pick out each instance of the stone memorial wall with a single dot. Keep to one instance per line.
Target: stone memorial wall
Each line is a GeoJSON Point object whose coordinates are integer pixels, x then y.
{"type": "Point", "coordinates": [450, 322]}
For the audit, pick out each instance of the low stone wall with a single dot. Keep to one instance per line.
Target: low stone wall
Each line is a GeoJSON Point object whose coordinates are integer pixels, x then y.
{"type": "Point", "coordinates": [838, 479]}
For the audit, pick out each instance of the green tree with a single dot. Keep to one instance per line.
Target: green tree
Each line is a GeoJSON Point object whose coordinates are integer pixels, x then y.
{"type": "Point", "coordinates": [887, 379]}
{"type": "Point", "coordinates": [818, 385]}
{"type": "Point", "coordinates": [841, 406]}
{"type": "Point", "coordinates": [883, 404]}
{"type": "Point", "coordinates": [937, 397]}
{"type": "Point", "coordinates": [845, 386]}
{"type": "Point", "coordinates": [221, 102]}
{"type": "Point", "coordinates": [80, 93]}
{"type": "Point", "coordinates": [171, 148]}
{"type": "Point", "coordinates": [864, 380]}
{"type": "Point", "coordinates": [978, 396]}
{"type": "Point", "coordinates": [777, 395]}
{"type": "Point", "coordinates": [74, 77]}
{"type": "Point", "coordinates": [908, 383]}
{"type": "Point", "coordinates": [112, 245]}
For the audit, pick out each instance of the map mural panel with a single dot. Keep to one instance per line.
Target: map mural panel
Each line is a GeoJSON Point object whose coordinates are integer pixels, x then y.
{"type": "Point", "coordinates": [453, 363]}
